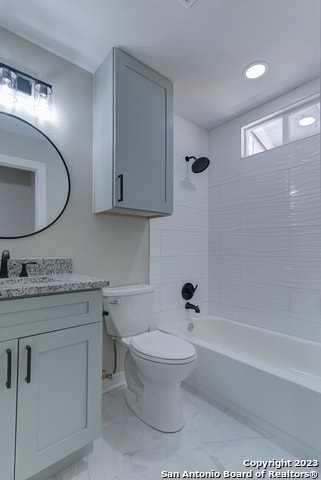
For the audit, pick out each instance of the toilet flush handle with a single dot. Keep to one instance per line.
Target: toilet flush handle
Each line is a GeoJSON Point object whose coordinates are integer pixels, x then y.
{"type": "Point", "coordinates": [116, 301]}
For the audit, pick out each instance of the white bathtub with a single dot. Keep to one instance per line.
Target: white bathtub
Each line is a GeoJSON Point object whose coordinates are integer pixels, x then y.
{"type": "Point", "coordinates": [269, 379]}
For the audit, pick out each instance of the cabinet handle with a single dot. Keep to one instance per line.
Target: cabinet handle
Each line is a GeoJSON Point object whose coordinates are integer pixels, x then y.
{"type": "Point", "coordinates": [121, 187]}
{"type": "Point", "coordinates": [9, 368]}
{"type": "Point", "coordinates": [28, 377]}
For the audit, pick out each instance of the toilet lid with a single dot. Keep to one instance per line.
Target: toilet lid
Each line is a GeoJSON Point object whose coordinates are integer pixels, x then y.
{"type": "Point", "coordinates": [163, 346]}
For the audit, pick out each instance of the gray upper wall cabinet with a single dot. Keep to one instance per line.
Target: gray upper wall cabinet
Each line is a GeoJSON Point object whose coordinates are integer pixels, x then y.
{"type": "Point", "coordinates": [133, 138]}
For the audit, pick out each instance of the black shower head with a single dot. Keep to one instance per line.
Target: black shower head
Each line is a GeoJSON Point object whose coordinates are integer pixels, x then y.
{"type": "Point", "coordinates": [200, 164]}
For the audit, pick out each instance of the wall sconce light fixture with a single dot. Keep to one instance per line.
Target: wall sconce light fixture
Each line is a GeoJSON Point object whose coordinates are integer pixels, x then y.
{"type": "Point", "coordinates": [14, 85]}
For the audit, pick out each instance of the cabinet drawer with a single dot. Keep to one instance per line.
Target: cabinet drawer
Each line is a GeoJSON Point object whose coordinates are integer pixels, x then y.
{"type": "Point", "coordinates": [29, 316]}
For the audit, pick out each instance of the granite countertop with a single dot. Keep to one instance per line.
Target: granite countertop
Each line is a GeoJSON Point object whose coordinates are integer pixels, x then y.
{"type": "Point", "coordinates": [46, 276]}
{"type": "Point", "coordinates": [48, 284]}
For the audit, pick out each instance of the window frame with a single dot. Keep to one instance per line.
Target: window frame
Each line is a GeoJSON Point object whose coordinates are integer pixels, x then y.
{"type": "Point", "coordinates": [283, 114]}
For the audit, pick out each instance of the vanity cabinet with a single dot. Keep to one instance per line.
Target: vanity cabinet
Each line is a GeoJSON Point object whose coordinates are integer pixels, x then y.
{"type": "Point", "coordinates": [133, 139]}
{"type": "Point", "coordinates": [50, 392]}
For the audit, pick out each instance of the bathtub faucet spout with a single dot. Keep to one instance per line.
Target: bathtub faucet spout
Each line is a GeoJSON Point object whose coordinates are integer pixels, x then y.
{"type": "Point", "coordinates": [190, 306]}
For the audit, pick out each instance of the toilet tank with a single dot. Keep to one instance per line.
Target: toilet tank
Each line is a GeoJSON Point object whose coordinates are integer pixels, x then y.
{"type": "Point", "coordinates": [129, 309]}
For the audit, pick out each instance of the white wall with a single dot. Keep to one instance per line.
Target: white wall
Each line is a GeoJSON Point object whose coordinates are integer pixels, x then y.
{"type": "Point", "coordinates": [116, 248]}
{"type": "Point", "coordinates": [265, 229]}
{"type": "Point", "coordinates": [179, 243]}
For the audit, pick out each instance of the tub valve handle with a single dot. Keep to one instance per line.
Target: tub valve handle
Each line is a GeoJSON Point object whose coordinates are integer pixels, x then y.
{"type": "Point", "coordinates": [188, 291]}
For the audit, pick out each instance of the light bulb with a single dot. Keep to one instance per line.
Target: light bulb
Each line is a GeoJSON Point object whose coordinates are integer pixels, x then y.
{"type": "Point", "coordinates": [42, 98]}
{"type": "Point", "coordinates": [8, 87]}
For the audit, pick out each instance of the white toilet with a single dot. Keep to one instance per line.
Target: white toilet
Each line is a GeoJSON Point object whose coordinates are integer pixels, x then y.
{"type": "Point", "coordinates": [155, 364]}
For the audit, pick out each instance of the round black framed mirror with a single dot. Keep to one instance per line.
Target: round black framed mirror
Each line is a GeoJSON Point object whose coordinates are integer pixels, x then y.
{"type": "Point", "coordinates": [34, 179]}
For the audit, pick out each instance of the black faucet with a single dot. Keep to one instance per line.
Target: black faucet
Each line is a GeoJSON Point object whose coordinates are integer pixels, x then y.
{"type": "Point", "coordinates": [24, 271]}
{"type": "Point", "coordinates": [190, 306]}
{"type": "Point", "coordinates": [4, 264]}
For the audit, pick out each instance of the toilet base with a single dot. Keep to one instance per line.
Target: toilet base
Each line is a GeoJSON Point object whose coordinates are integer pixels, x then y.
{"type": "Point", "coordinates": [154, 395]}
{"type": "Point", "coordinates": [169, 420]}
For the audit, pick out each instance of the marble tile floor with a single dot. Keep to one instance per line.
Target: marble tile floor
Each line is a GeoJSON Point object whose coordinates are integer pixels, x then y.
{"type": "Point", "coordinates": [210, 440]}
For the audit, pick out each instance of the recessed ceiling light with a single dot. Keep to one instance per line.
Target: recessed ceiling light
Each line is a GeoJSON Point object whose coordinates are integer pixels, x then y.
{"type": "Point", "coordinates": [187, 3]}
{"type": "Point", "coordinates": [255, 70]}
{"type": "Point", "coordinates": [306, 121]}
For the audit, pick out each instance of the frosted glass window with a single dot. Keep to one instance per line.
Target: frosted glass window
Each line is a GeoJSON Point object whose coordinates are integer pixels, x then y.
{"type": "Point", "coordinates": [288, 125]}
{"type": "Point", "coordinates": [265, 136]}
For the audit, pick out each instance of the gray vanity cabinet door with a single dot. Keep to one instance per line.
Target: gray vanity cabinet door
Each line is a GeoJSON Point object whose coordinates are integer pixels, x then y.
{"type": "Point", "coordinates": [8, 390]}
{"type": "Point", "coordinates": [142, 135]}
{"type": "Point", "coordinates": [57, 397]}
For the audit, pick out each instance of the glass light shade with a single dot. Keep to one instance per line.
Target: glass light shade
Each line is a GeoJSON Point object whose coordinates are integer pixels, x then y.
{"type": "Point", "coordinates": [8, 86]}
{"type": "Point", "coordinates": [42, 98]}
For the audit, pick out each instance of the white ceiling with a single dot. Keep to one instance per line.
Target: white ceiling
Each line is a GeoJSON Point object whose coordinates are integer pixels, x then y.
{"type": "Point", "coordinates": [202, 49]}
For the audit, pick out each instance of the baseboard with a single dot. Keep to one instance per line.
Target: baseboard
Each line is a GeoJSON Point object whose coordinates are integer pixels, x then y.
{"type": "Point", "coordinates": [117, 381]}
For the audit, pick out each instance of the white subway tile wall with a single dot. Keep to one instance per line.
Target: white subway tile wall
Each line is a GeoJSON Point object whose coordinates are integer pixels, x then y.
{"type": "Point", "coordinates": [179, 243]}
{"type": "Point", "coordinates": [247, 231]}
{"type": "Point", "coordinates": [265, 229]}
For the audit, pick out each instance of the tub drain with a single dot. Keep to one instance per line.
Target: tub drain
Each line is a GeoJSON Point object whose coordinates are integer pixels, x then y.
{"type": "Point", "coordinates": [190, 327]}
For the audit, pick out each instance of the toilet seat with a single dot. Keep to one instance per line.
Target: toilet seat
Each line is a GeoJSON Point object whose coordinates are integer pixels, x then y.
{"type": "Point", "coordinates": [162, 347]}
